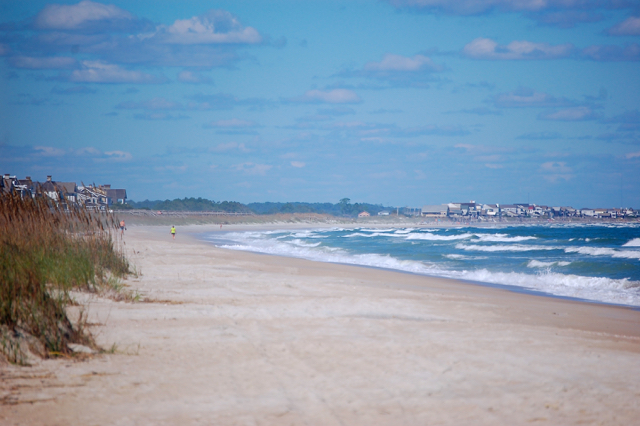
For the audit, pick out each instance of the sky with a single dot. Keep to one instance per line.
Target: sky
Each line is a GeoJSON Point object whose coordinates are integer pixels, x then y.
{"type": "Point", "coordinates": [396, 102]}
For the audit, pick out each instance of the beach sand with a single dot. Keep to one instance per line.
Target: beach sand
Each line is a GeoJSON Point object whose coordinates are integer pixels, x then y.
{"type": "Point", "coordinates": [237, 338]}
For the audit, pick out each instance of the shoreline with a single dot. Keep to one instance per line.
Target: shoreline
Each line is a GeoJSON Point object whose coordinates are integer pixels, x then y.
{"type": "Point", "coordinates": [512, 289]}
{"type": "Point", "coordinates": [508, 287]}
{"type": "Point", "coordinates": [228, 337]}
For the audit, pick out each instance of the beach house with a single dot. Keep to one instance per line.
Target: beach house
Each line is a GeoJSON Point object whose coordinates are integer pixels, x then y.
{"type": "Point", "coordinates": [436, 210]}
{"type": "Point", "coordinates": [57, 190]}
{"type": "Point", "coordinates": [115, 196]}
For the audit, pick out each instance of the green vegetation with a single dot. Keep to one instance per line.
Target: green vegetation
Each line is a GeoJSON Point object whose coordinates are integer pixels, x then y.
{"type": "Point", "coordinates": [192, 205]}
{"type": "Point", "coordinates": [342, 208]}
{"type": "Point", "coordinates": [45, 252]}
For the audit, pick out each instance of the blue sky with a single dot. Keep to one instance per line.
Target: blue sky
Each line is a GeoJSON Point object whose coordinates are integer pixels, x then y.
{"type": "Point", "coordinates": [399, 102]}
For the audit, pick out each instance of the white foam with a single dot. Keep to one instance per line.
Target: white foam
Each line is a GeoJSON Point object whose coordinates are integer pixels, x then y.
{"type": "Point", "coordinates": [539, 264]}
{"type": "Point", "coordinates": [463, 257]}
{"type": "Point", "coordinates": [375, 234]}
{"type": "Point", "coordinates": [604, 251]}
{"type": "Point", "coordinates": [513, 247]}
{"type": "Point", "coordinates": [301, 243]}
{"type": "Point", "coordinates": [623, 291]}
{"type": "Point", "coordinates": [431, 237]}
{"type": "Point", "coordinates": [632, 243]}
{"type": "Point", "coordinates": [333, 255]}
{"type": "Point", "coordinates": [456, 256]}
{"type": "Point", "coordinates": [404, 231]}
{"type": "Point", "coordinates": [502, 238]}
{"type": "Point", "coordinates": [303, 234]}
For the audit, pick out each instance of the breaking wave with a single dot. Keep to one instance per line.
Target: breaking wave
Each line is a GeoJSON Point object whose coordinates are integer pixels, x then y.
{"type": "Point", "coordinates": [514, 247]}
{"type": "Point", "coordinates": [603, 268]}
{"type": "Point", "coordinates": [539, 264]}
{"type": "Point", "coordinates": [604, 251]}
{"type": "Point", "coordinates": [633, 243]}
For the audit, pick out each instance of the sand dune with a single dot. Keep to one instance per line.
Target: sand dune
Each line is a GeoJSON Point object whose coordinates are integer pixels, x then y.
{"type": "Point", "coordinates": [235, 338]}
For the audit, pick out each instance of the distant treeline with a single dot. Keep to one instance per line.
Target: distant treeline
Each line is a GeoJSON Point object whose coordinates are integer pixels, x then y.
{"type": "Point", "coordinates": [342, 208]}
{"type": "Point", "coordinates": [191, 205]}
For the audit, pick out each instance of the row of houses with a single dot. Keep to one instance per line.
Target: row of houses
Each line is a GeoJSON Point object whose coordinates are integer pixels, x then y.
{"type": "Point", "coordinates": [522, 210]}
{"type": "Point", "coordinates": [93, 197]}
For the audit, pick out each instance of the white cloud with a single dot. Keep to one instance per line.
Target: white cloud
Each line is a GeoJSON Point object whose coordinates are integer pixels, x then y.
{"type": "Point", "coordinates": [253, 169]}
{"type": "Point", "coordinates": [392, 62]}
{"type": "Point", "coordinates": [71, 17]}
{"type": "Point", "coordinates": [102, 72]}
{"type": "Point", "coordinates": [298, 164]}
{"type": "Point", "coordinates": [628, 27]}
{"type": "Point", "coordinates": [114, 35]}
{"type": "Point", "coordinates": [581, 113]}
{"type": "Point", "coordinates": [99, 156]}
{"type": "Point", "coordinates": [118, 156]}
{"type": "Point", "coordinates": [234, 123]}
{"type": "Point", "coordinates": [51, 62]}
{"type": "Point", "coordinates": [88, 151]}
{"type": "Point", "coordinates": [553, 171]}
{"type": "Point", "coordinates": [49, 151]}
{"type": "Point", "coordinates": [334, 96]}
{"type": "Point", "coordinates": [398, 70]}
{"type": "Point", "coordinates": [632, 155]}
{"type": "Point", "coordinates": [216, 27]}
{"type": "Point", "coordinates": [193, 78]}
{"type": "Point", "coordinates": [485, 48]}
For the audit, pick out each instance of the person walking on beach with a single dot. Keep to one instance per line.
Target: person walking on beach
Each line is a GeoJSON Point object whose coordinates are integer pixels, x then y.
{"type": "Point", "coordinates": [122, 227]}
{"type": "Point", "coordinates": [173, 231]}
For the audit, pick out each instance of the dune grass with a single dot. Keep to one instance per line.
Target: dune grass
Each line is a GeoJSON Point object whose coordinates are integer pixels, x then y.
{"type": "Point", "coordinates": [46, 251]}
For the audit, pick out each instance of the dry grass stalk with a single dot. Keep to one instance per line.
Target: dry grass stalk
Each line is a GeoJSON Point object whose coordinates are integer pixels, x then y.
{"type": "Point", "coordinates": [47, 249]}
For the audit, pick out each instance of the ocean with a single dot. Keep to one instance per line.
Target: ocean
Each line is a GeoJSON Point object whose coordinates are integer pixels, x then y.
{"type": "Point", "coordinates": [594, 262]}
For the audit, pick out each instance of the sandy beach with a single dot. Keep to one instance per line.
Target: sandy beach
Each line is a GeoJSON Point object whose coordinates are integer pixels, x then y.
{"type": "Point", "coordinates": [237, 338]}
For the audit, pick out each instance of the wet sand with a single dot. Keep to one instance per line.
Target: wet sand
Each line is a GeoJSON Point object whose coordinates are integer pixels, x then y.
{"type": "Point", "coordinates": [237, 338]}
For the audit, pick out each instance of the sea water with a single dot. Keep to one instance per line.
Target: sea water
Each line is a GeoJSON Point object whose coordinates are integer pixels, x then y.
{"type": "Point", "coordinates": [594, 262]}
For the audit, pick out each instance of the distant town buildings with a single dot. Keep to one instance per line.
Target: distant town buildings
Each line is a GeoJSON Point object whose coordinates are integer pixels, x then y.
{"type": "Point", "coordinates": [480, 211]}
{"type": "Point", "coordinates": [98, 198]}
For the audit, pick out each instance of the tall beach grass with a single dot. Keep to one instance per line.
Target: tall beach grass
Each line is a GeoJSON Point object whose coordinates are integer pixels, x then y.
{"type": "Point", "coordinates": [47, 250]}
